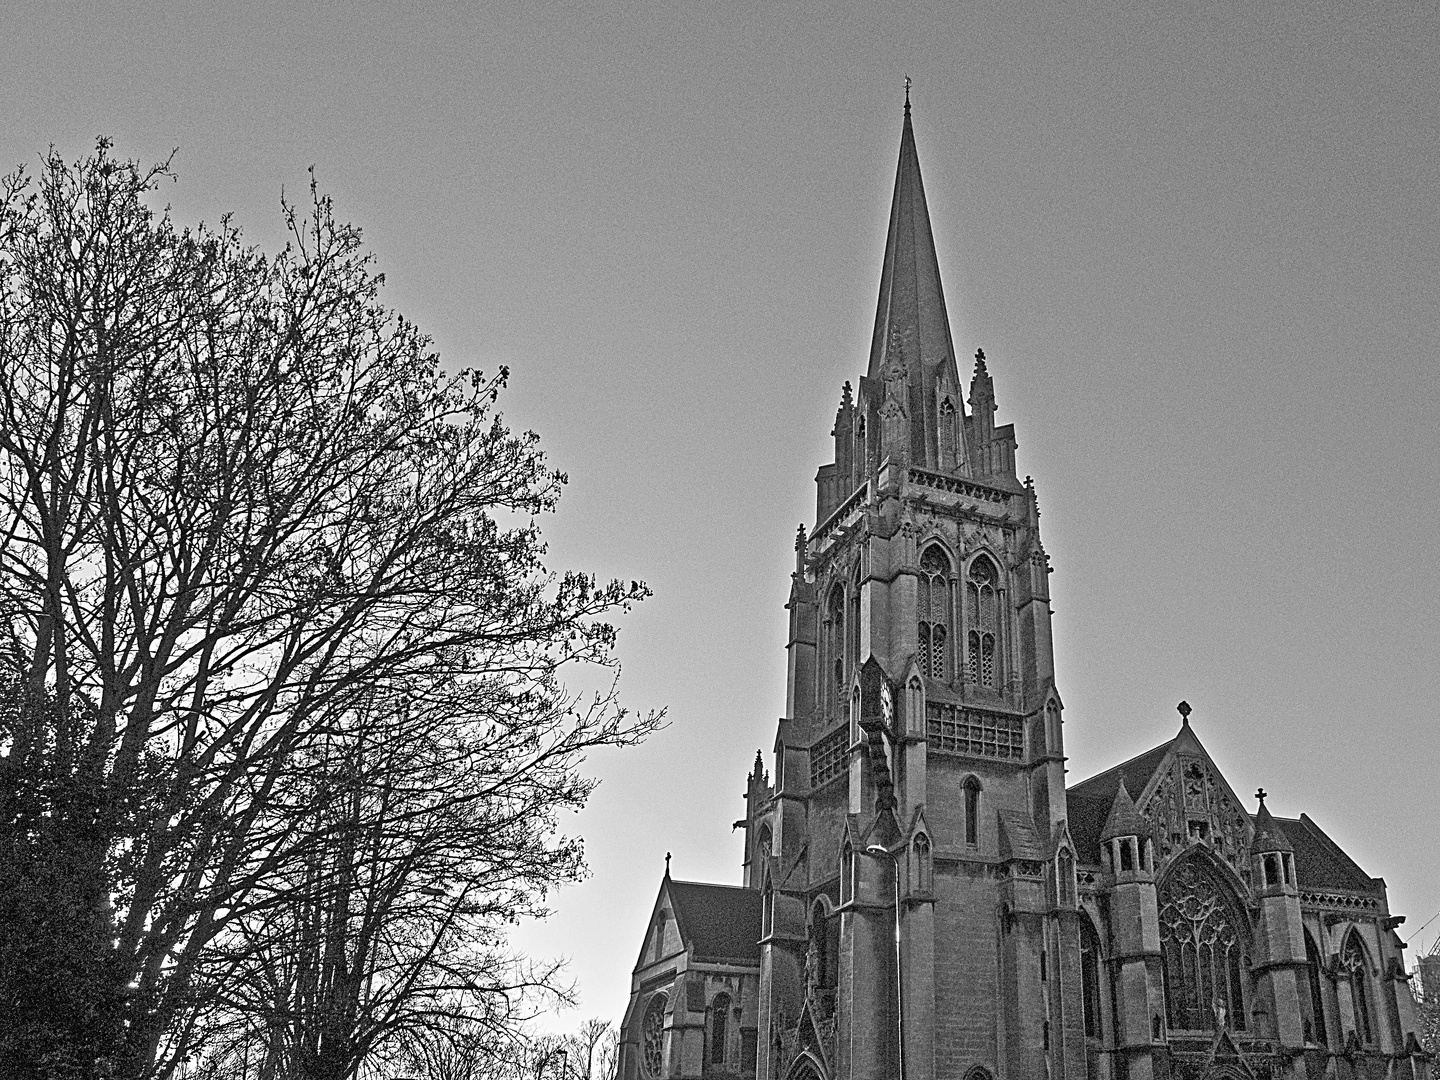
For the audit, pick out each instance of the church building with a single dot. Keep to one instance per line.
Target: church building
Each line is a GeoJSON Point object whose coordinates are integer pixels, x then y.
{"type": "Point", "coordinates": [922, 896]}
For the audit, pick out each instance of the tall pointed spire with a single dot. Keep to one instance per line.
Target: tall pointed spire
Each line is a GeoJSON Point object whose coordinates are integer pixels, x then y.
{"type": "Point", "coordinates": [911, 353]}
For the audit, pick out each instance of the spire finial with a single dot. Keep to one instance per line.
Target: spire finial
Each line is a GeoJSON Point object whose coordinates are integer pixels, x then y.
{"type": "Point", "coordinates": [1184, 710]}
{"type": "Point", "coordinates": [907, 95]}
{"type": "Point", "coordinates": [1260, 794]}
{"type": "Point", "coordinates": [667, 864]}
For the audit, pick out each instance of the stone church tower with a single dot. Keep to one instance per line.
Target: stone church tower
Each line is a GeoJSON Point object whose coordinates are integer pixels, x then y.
{"type": "Point", "coordinates": [921, 896]}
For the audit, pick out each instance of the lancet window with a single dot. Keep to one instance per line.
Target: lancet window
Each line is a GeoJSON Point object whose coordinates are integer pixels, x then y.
{"type": "Point", "coordinates": [1354, 968]}
{"type": "Point", "coordinates": [719, 1021]}
{"type": "Point", "coordinates": [1202, 943]}
{"type": "Point", "coordinates": [833, 666]}
{"type": "Point", "coordinates": [933, 609]}
{"type": "Point", "coordinates": [1317, 1032]}
{"type": "Point", "coordinates": [1090, 977]}
{"type": "Point", "coordinates": [972, 810]}
{"type": "Point", "coordinates": [983, 612]}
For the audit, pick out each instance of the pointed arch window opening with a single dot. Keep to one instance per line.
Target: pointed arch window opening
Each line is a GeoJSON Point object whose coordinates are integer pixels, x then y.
{"type": "Point", "coordinates": [933, 609]}
{"type": "Point", "coordinates": [719, 1021]}
{"type": "Point", "coordinates": [1317, 1033]}
{"type": "Point", "coordinates": [835, 638]}
{"type": "Point", "coordinates": [972, 811]}
{"type": "Point", "coordinates": [1354, 968]}
{"type": "Point", "coordinates": [1202, 944]}
{"type": "Point", "coordinates": [983, 615]}
{"type": "Point", "coordinates": [1090, 977]}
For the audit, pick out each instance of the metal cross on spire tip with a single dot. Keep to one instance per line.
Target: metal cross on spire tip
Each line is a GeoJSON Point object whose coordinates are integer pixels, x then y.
{"type": "Point", "coordinates": [907, 94]}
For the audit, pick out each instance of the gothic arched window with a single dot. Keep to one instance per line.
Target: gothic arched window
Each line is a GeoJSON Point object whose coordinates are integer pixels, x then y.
{"type": "Point", "coordinates": [1317, 1001]}
{"type": "Point", "coordinates": [972, 810]}
{"type": "Point", "coordinates": [1090, 977]}
{"type": "Point", "coordinates": [933, 610]}
{"type": "Point", "coordinates": [847, 873]}
{"type": "Point", "coordinates": [1202, 943]}
{"type": "Point", "coordinates": [1354, 968]}
{"type": "Point", "coordinates": [984, 615]}
{"type": "Point", "coordinates": [719, 1017]}
{"type": "Point", "coordinates": [833, 666]}
{"type": "Point", "coordinates": [652, 1037]}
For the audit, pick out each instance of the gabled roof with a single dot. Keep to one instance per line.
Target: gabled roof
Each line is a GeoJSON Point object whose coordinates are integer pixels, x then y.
{"type": "Point", "coordinates": [1088, 802]}
{"type": "Point", "coordinates": [718, 922]}
{"type": "Point", "coordinates": [1319, 862]}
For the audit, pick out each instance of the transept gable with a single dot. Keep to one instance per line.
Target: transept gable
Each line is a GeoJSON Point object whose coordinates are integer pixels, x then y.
{"type": "Point", "coordinates": [1187, 800]}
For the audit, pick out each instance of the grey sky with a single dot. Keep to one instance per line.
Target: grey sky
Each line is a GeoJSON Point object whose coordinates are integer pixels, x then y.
{"type": "Point", "coordinates": [1199, 244]}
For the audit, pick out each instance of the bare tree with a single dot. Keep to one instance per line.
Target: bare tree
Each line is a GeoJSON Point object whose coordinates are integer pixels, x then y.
{"type": "Point", "coordinates": [254, 537]}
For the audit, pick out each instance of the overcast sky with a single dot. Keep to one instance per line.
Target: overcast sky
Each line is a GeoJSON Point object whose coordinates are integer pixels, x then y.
{"type": "Point", "coordinates": [1198, 242]}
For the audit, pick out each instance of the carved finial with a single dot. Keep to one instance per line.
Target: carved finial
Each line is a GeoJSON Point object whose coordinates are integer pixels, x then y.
{"type": "Point", "coordinates": [800, 537]}
{"type": "Point", "coordinates": [1260, 794]}
{"type": "Point", "coordinates": [667, 864]}
{"type": "Point", "coordinates": [980, 358]}
{"type": "Point", "coordinates": [1184, 710]}
{"type": "Point", "coordinates": [907, 95]}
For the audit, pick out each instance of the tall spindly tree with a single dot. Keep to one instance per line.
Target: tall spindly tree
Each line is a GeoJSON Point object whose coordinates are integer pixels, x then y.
{"type": "Point", "coordinates": [293, 737]}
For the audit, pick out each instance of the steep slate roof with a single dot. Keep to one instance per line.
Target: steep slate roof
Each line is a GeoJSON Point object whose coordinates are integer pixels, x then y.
{"type": "Point", "coordinates": [1319, 862]}
{"type": "Point", "coordinates": [1089, 801]}
{"type": "Point", "coordinates": [718, 922]}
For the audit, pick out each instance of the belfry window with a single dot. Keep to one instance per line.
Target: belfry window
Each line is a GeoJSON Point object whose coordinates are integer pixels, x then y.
{"type": "Point", "coordinates": [933, 609]}
{"type": "Point", "coordinates": [835, 648]}
{"type": "Point", "coordinates": [984, 616]}
{"type": "Point", "coordinates": [1353, 965]}
{"type": "Point", "coordinates": [1202, 941]}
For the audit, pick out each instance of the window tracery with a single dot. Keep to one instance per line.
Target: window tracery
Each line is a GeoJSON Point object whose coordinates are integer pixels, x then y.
{"type": "Point", "coordinates": [1354, 966]}
{"type": "Point", "coordinates": [719, 1010]}
{"type": "Point", "coordinates": [1202, 939]}
{"type": "Point", "coordinates": [652, 1036]}
{"type": "Point", "coordinates": [933, 611]}
{"type": "Point", "coordinates": [984, 616]}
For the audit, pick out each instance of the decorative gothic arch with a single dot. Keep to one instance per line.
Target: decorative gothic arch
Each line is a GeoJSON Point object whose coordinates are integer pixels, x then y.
{"type": "Point", "coordinates": [1355, 969]}
{"type": "Point", "coordinates": [1204, 938]}
{"type": "Point", "coordinates": [984, 610]}
{"type": "Point", "coordinates": [933, 607]}
{"type": "Point", "coordinates": [807, 1066]}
